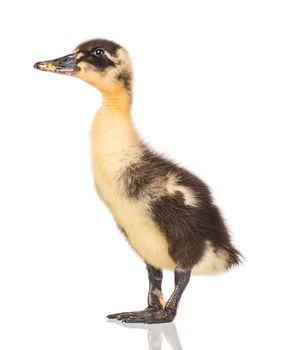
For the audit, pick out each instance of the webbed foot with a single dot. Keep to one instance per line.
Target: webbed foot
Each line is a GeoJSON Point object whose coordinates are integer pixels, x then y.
{"type": "Point", "coordinates": [150, 315]}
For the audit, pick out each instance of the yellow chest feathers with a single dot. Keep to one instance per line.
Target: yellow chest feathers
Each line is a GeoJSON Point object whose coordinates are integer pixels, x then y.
{"type": "Point", "coordinates": [115, 145]}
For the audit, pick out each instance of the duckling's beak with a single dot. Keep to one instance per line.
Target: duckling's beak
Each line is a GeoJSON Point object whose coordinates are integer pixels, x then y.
{"type": "Point", "coordinates": [63, 65]}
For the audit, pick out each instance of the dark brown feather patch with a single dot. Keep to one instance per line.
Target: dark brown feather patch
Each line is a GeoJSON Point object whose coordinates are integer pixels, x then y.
{"type": "Point", "coordinates": [186, 228]}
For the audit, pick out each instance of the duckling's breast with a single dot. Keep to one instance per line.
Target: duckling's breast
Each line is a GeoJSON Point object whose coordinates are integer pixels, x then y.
{"type": "Point", "coordinates": [134, 218]}
{"type": "Point", "coordinates": [115, 145]}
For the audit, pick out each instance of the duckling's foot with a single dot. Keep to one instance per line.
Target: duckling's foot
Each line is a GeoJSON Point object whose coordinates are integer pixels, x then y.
{"type": "Point", "coordinates": [121, 316]}
{"type": "Point", "coordinates": [149, 316]}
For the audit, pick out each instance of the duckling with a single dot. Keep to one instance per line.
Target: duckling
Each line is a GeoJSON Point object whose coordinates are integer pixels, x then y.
{"type": "Point", "coordinates": [166, 213]}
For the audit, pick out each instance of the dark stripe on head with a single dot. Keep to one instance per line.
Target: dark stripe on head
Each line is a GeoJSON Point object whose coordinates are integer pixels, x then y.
{"type": "Point", "coordinates": [99, 63]}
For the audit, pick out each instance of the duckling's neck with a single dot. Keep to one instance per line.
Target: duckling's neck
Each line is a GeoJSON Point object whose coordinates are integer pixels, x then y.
{"type": "Point", "coordinates": [117, 101]}
{"type": "Point", "coordinates": [114, 139]}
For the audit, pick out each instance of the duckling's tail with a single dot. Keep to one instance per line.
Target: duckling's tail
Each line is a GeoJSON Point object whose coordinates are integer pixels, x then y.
{"type": "Point", "coordinates": [235, 258]}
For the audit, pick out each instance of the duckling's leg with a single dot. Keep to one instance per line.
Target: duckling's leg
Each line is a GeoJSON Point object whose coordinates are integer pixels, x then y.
{"type": "Point", "coordinates": [155, 297]}
{"type": "Point", "coordinates": [157, 314]}
{"type": "Point", "coordinates": [168, 313]}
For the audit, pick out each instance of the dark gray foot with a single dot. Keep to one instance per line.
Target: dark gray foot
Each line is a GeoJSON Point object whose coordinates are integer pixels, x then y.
{"type": "Point", "coordinates": [123, 315]}
{"type": "Point", "coordinates": [149, 316]}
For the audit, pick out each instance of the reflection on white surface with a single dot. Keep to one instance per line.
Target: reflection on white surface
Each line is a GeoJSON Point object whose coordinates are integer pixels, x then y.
{"type": "Point", "coordinates": [156, 333]}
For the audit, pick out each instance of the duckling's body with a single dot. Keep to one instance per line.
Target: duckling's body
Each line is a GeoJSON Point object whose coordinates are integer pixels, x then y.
{"type": "Point", "coordinates": [166, 213]}
{"type": "Point", "coordinates": [132, 180]}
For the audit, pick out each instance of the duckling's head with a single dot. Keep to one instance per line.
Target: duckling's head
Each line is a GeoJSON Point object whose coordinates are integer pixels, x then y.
{"type": "Point", "coordinates": [101, 63]}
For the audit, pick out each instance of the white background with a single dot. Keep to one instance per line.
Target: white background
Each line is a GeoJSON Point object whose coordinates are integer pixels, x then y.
{"type": "Point", "coordinates": [208, 92]}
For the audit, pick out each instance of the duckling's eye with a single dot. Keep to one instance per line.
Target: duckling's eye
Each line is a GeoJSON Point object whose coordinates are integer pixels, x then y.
{"type": "Point", "coordinates": [98, 52]}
